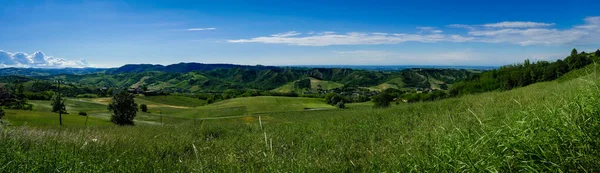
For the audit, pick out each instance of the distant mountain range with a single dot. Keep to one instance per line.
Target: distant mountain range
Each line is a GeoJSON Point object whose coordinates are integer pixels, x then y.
{"type": "Point", "coordinates": [190, 67]}
{"type": "Point", "coordinates": [198, 77]}
{"type": "Point", "coordinates": [180, 68]}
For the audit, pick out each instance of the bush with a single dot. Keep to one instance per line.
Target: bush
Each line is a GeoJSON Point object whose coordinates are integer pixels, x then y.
{"type": "Point", "coordinates": [46, 95]}
{"type": "Point", "coordinates": [144, 107]}
{"type": "Point", "coordinates": [87, 96]}
{"type": "Point", "coordinates": [334, 98]}
{"type": "Point", "coordinates": [341, 105]}
{"type": "Point", "coordinates": [83, 113]}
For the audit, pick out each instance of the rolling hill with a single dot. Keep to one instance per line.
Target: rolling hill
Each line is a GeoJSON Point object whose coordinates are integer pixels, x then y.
{"type": "Point", "coordinates": [547, 126]}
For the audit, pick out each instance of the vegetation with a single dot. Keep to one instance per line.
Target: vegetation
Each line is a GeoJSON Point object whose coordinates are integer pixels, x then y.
{"type": "Point", "coordinates": [513, 76]}
{"type": "Point", "coordinates": [541, 125]}
{"type": "Point", "coordinates": [144, 108]}
{"type": "Point", "coordinates": [123, 108]}
{"type": "Point", "coordinates": [548, 126]}
{"type": "Point", "coordinates": [58, 104]}
{"type": "Point", "coordinates": [384, 98]}
{"type": "Point", "coordinates": [2, 113]}
{"type": "Point", "coordinates": [260, 105]}
{"type": "Point", "coordinates": [334, 98]}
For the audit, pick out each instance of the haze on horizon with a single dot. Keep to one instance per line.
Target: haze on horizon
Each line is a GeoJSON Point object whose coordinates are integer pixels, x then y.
{"type": "Point", "coordinates": [52, 33]}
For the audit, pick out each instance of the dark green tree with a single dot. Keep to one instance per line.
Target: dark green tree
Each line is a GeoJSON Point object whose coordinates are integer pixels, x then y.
{"type": "Point", "coordinates": [110, 91]}
{"type": "Point", "coordinates": [333, 98]}
{"type": "Point", "coordinates": [123, 107]}
{"type": "Point", "coordinates": [597, 53]}
{"type": "Point", "coordinates": [341, 105]}
{"type": "Point", "coordinates": [144, 107]}
{"type": "Point", "coordinates": [574, 52]}
{"type": "Point", "coordinates": [58, 104]}
{"type": "Point", "coordinates": [383, 99]}
{"type": "Point", "coordinates": [1, 114]}
{"type": "Point", "coordinates": [19, 91]}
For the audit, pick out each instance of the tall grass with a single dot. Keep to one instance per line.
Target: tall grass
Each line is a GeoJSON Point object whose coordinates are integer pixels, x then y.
{"type": "Point", "coordinates": [551, 126]}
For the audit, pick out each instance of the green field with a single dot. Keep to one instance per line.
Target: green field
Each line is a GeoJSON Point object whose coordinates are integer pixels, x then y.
{"type": "Point", "coordinates": [544, 127]}
{"type": "Point", "coordinates": [325, 85]}
{"type": "Point", "coordinates": [173, 100]}
{"type": "Point", "coordinates": [287, 88]}
{"type": "Point", "coordinates": [262, 104]}
{"type": "Point", "coordinates": [314, 85]}
{"type": "Point", "coordinates": [49, 119]}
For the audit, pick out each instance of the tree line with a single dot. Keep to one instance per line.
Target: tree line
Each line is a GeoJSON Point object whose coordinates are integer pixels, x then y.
{"type": "Point", "coordinates": [519, 75]}
{"type": "Point", "coordinates": [504, 78]}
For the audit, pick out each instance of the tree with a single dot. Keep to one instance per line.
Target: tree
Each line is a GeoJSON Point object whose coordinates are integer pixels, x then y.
{"type": "Point", "coordinates": [1, 114]}
{"type": "Point", "coordinates": [123, 107]}
{"type": "Point", "coordinates": [341, 105]}
{"type": "Point", "coordinates": [20, 89]}
{"type": "Point", "coordinates": [333, 98]}
{"type": "Point", "coordinates": [58, 104]}
{"type": "Point", "coordinates": [597, 53]}
{"type": "Point", "coordinates": [144, 107]}
{"type": "Point", "coordinates": [110, 91]}
{"type": "Point", "coordinates": [574, 52]}
{"type": "Point", "coordinates": [382, 99]}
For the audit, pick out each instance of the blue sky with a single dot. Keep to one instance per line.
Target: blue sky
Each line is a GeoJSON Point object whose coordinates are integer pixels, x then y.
{"type": "Point", "coordinates": [53, 33]}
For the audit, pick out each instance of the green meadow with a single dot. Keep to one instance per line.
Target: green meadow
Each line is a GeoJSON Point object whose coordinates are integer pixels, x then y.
{"type": "Point", "coordinates": [544, 127]}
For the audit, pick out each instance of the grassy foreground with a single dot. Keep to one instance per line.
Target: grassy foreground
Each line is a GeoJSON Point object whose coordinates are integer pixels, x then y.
{"type": "Point", "coordinates": [551, 126]}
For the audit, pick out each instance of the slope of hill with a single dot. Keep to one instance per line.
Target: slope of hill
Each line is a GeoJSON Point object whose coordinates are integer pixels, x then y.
{"type": "Point", "coordinates": [547, 126]}
{"type": "Point", "coordinates": [218, 80]}
{"type": "Point", "coordinates": [313, 85]}
{"type": "Point", "coordinates": [261, 104]}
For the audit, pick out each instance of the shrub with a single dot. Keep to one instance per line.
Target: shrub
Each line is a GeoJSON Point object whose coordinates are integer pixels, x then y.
{"type": "Point", "coordinates": [87, 96]}
{"type": "Point", "coordinates": [341, 105]}
{"type": "Point", "coordinates": [144, 107]}
{"type": "Point", "coordinates": [83, 113]}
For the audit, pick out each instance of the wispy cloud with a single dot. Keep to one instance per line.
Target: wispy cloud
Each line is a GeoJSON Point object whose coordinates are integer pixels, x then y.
{"type": "Point", "coordinates": [525, 36]}
{"type": "Point", "coordinates": [521, 33]}
{"type": "Point", "coordinates": [429, 30]}
{"type": "Point", "coordinates": [505, 24]}
{"type": "Point", "coordinates": [201, 29]}
{"type": "Point", "coordinates": [352, 38]}
{"type": "Point", "coordinates": [517, 24]}
{"type": "Point", "coordinates": [37, 59]}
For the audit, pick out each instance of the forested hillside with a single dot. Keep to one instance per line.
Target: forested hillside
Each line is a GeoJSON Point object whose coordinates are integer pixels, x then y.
{"type": "Point", "coordinates": [219, 80]}
{"type": "Point", "coordinates": [518, 75]}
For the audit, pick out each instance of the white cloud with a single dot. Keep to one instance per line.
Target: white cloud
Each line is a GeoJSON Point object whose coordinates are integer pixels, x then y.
{"type": "Point", "coordinates": [352, 38]}
{"type": "Point", "coordinates": [509, 24]}
{"type": "Point", "coordinates": [201, 29]}
{"type": "Point", "coordinates": [37, 59]}
{"type": "Point", "coordinates": [429, 30]}
{"type": "Point", "coordinates": [461, 26]}
{"type": "Point", "coordinates": [287, 34]}
{"type": "Point", "coordinates": [454, 57]}
{"type": "Point", "coordinates": [520, 33]}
